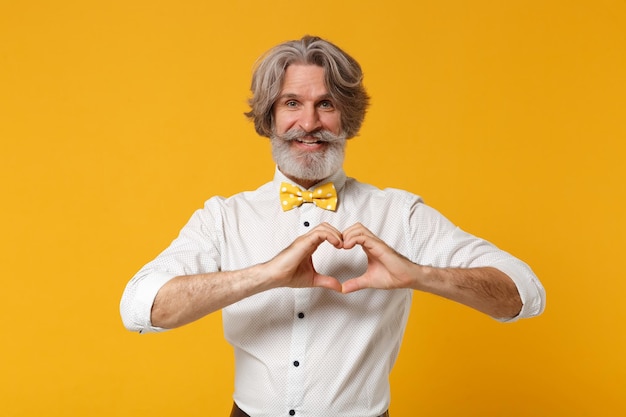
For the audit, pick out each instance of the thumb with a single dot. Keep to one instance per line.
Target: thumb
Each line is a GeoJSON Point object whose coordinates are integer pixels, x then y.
{"type": "Point", "coordinates": [352, 285]}
{"type": "Point", "coordinates": [326, 281]}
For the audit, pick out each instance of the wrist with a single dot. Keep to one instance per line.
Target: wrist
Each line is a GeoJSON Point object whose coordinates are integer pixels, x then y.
{"type": "Point", "coordinates": [425, 278]}
{"type": "Point", "coordinates": [263, 277]}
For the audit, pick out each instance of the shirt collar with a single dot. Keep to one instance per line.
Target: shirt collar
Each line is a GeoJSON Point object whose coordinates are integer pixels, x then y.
{"type": "Point", "coordinates": [338, 179]}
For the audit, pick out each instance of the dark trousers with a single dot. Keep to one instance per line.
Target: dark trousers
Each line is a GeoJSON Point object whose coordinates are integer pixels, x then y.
{"type": "Point", "coordinates": [236, 412]}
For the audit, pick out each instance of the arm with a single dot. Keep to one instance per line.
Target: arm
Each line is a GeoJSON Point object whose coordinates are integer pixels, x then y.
{"type": "Point", "coordinates": [485, 289]}
{"type": "Point", "coordinates": [188, 298]}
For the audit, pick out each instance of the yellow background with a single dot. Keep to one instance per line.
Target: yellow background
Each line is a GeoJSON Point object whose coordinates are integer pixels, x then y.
{"type": "Point", "coordinates": [119, 118]}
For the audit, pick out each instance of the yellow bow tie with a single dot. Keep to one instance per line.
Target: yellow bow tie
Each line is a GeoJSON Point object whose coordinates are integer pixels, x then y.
{"type": "Point", "coordinates": [324, 196]}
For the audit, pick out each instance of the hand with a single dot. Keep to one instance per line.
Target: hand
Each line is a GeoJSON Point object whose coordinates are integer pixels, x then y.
{"type": "Point", "coordinates": [293, 267]}
{"type": "Point", "coordinates": [386, 268]}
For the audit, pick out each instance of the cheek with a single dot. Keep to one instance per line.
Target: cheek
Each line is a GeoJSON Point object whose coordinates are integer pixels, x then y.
{"type": "Point", "coordinates": [332, 123]}
{"type": "Point", "coordinates": [282, 123]}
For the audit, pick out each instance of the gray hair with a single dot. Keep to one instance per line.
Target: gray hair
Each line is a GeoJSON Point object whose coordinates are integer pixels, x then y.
{"type": "Point", "coordinates": [343, 76]}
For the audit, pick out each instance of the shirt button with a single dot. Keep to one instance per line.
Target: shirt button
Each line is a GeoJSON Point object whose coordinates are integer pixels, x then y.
{"type": "Point", "coordinates": [306, 224]}
{"type": "Point", "coordinates": [292, 412]}
{"type": "Point", "coordinates": [300, 315]}
{"type": "Point", "coordinates": [296, 363]}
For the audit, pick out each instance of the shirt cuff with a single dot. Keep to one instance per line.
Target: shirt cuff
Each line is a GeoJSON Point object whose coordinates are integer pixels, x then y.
{"type": "Point", "coordinates": [530, 290]}
{"type": "Point", "coordinates": [147, 290]}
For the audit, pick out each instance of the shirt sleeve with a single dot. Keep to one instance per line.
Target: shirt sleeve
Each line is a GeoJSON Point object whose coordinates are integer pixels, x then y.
{"type": "Point", "coordinates": [439, 243]}
{"type": "Point", "coordinates": [196, 250]}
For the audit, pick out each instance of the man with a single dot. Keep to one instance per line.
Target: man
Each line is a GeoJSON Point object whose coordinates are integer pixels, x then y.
{"type": "Point", "coordinates": [315, 282]}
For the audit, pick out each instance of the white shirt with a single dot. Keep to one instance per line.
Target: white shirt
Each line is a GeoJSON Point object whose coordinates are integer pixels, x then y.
{"type": "Point", "coordinates": [312, 352]}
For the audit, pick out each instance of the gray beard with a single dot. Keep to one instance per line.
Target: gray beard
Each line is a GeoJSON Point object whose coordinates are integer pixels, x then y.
{"type": "Point", "coordinates": [309, 166]}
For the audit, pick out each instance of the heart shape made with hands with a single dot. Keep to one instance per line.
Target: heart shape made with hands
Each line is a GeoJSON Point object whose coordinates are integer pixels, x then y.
{"type": "Point", "coordinates": [386, 269]}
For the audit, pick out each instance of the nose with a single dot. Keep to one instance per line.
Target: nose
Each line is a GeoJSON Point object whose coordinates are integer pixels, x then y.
{"type": "Point", "coordinates": [309, 119]}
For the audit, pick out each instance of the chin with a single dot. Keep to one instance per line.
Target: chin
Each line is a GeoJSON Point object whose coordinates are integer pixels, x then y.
{"type": "Point", "coordinates": [308, 166]}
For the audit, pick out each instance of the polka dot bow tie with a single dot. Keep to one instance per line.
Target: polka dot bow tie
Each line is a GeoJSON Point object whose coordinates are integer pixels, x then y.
{"type": "Point", "coordinates": [324, 196]}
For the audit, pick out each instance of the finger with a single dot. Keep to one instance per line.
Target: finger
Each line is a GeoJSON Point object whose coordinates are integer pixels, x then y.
{"type": "Point", "coordinates": [317, 236]}
{"type": "Point", "coordinates": [328, 226]}
{"type": "Point", "coordinates": [357, 234]}
{"type": "Point", "coordinates": [326, 232]}
{"type": "Point", "coordinates": [325, 281]}
{"type": "Point", "coordinates": [352, 285]}
{"type": "Point", "coordinates": [356, 228]}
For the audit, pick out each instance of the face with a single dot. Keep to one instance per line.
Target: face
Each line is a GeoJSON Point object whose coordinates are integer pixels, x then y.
{"type": "Point", "coordinates": [307, 143]}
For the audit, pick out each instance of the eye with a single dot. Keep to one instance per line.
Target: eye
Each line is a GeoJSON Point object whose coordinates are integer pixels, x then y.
{"type": "Point", "coordinates": [291, 103]}
{"type": "Point", "coordinates": [326, 104]}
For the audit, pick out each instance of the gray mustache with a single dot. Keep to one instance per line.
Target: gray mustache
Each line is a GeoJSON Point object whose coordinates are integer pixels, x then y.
{"type": "Point", "coordinates": [320, 135]}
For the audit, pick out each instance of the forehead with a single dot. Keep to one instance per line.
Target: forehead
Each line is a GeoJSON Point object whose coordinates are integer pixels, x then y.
{"type": "Point", "coordinates": [303, 79]}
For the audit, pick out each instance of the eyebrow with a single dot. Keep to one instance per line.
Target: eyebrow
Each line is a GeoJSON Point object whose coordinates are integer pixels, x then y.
{"type": "Point", "coordinates": [326, 96]}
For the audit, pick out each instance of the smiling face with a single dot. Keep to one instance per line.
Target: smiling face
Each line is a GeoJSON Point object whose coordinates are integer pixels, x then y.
{"type": "Point", "coordinates": [307, 143]}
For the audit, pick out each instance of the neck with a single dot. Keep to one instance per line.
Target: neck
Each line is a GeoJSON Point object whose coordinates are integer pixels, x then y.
{"type": "Point", "coordinates": [303, 183]}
